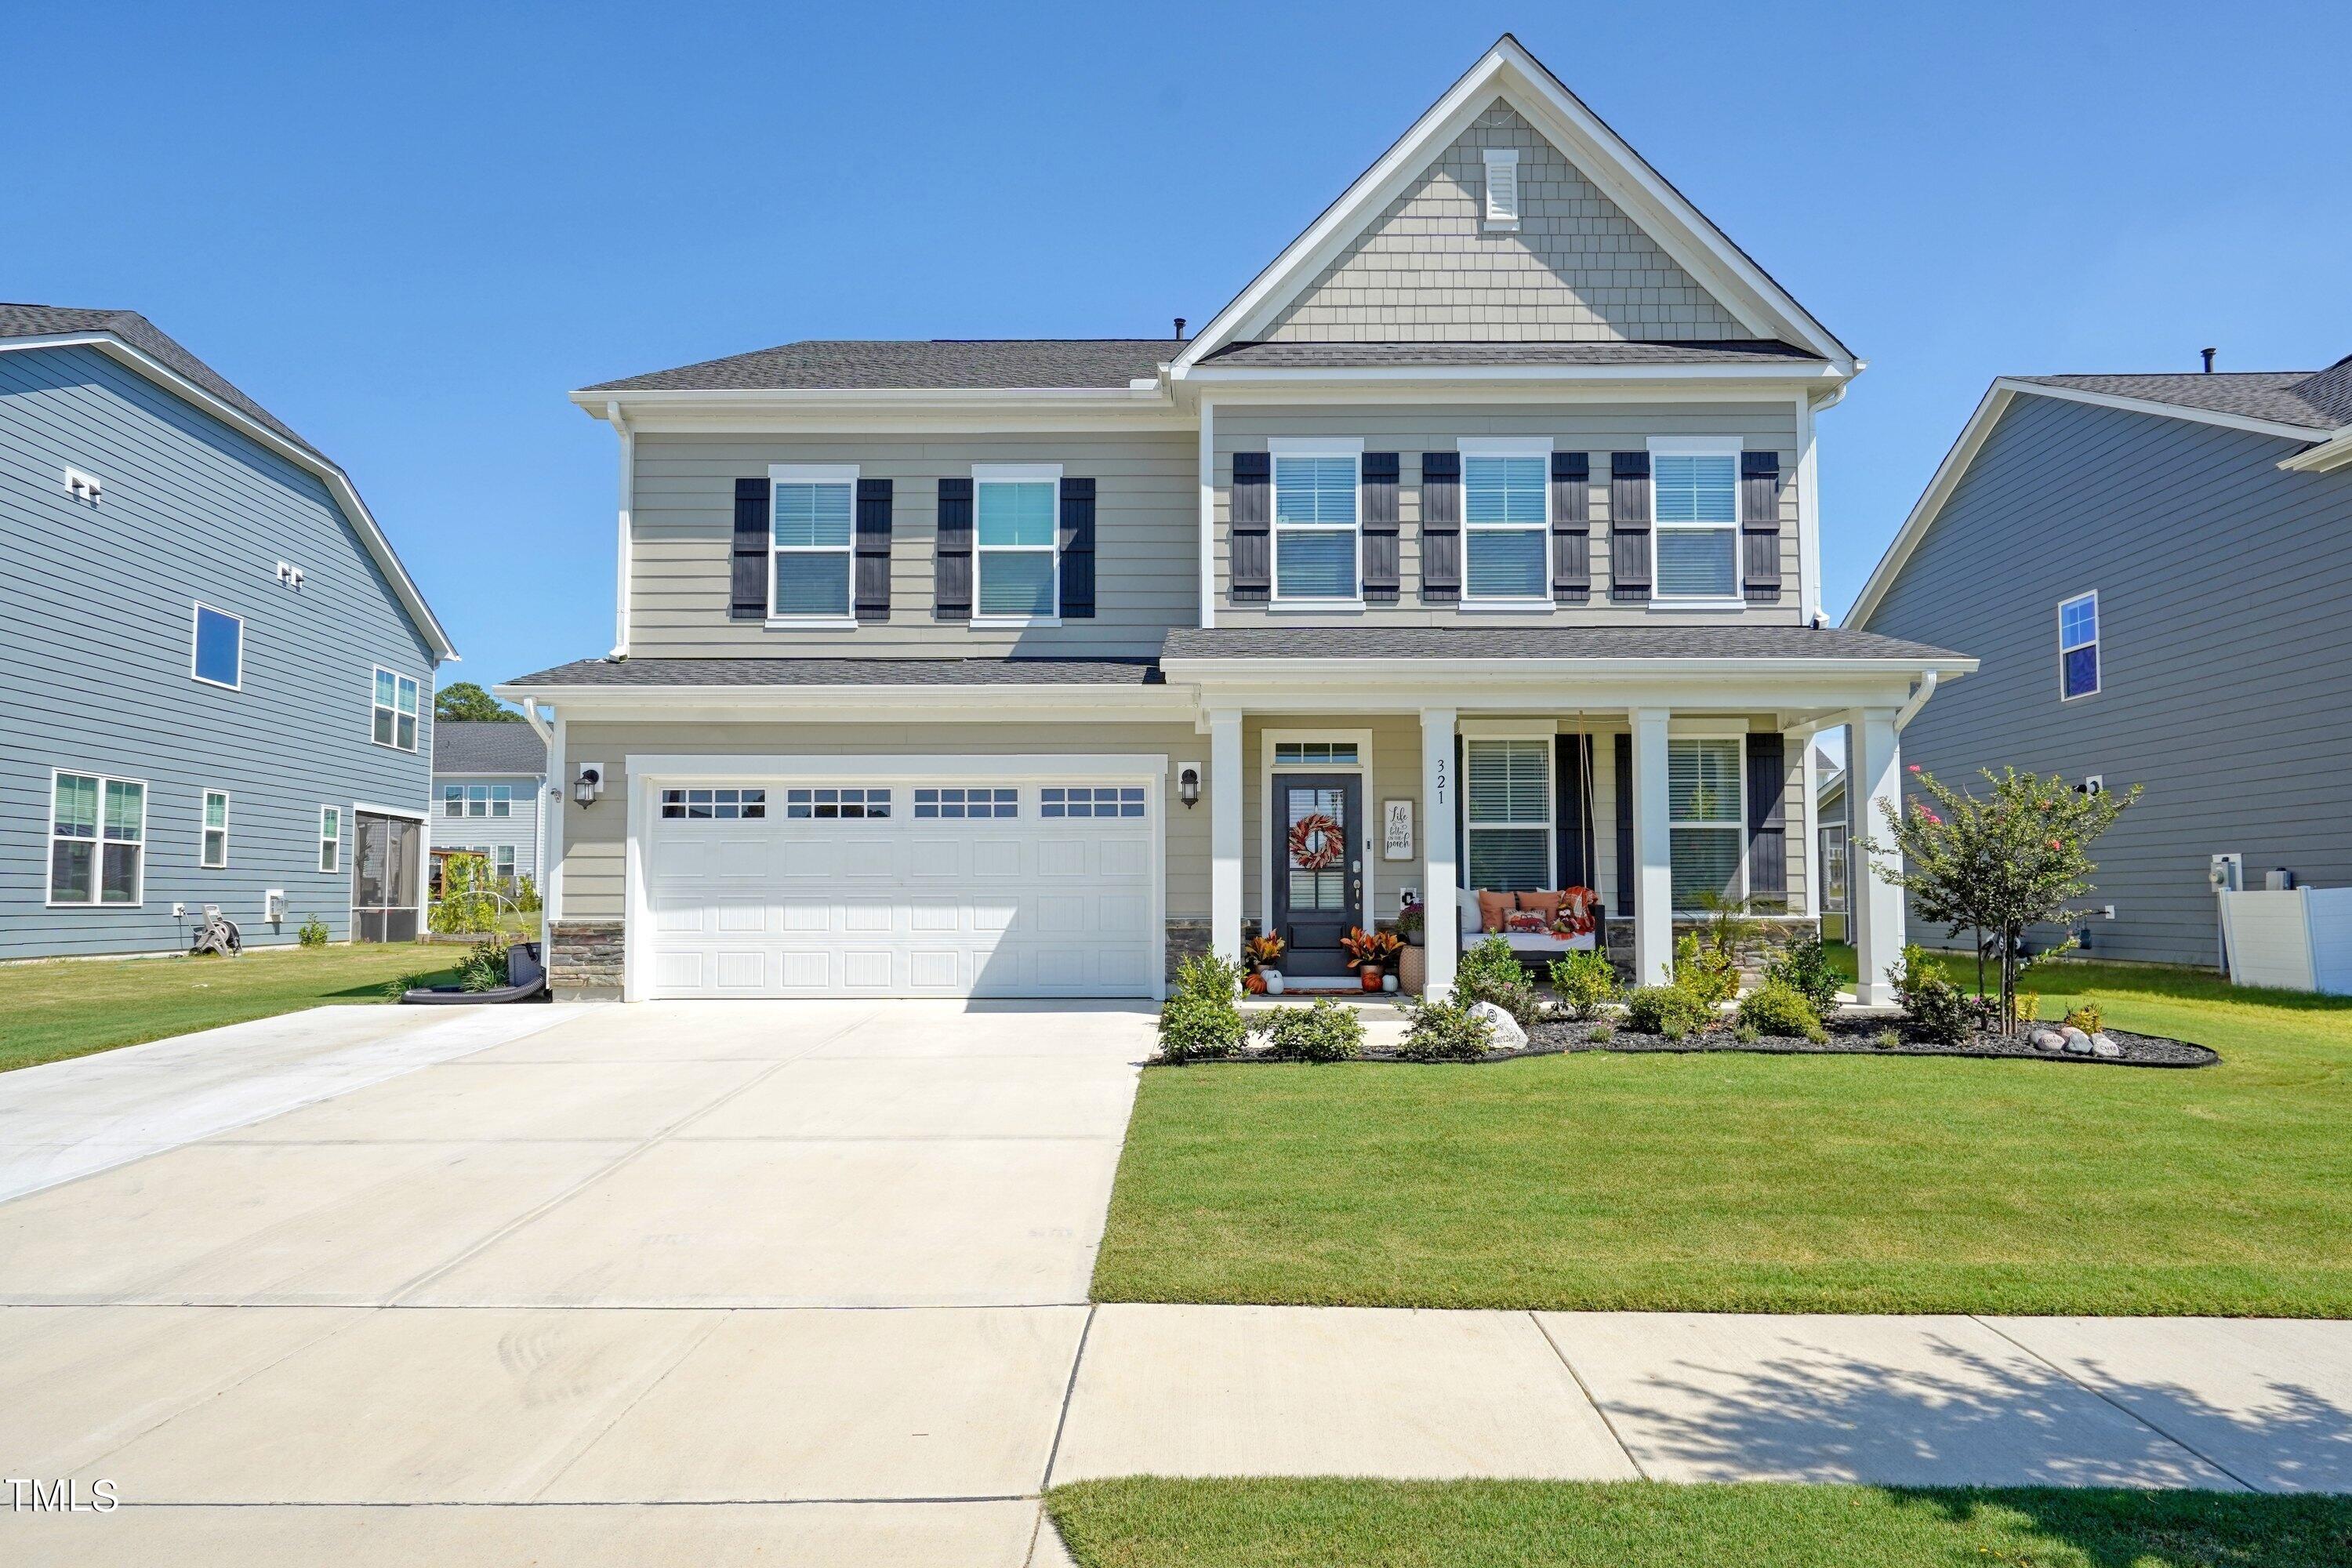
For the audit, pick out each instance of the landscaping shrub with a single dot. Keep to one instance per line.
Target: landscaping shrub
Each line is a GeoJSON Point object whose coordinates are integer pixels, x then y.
{"type": "Point", "coordinates": [1777, 1008]}
{"type": "Point", "coordinates": [1445, 1031]}
{"type": "Point", "coordinates": [1202, 1019]}
{"type": "Point", "coordinates": [400, 985]}
{"type": "Point", "coordinates": [1585, 982]}
{"type": "Point", "coordinates": [1672, 1012]}
{"type": "Point", "coordinates": [1328, 1031]}
{"type": "Point", "coordinates": [1804, 967]}
{"type": "Point", "coordinates": [1708, 972]}
{"type": "Point", "coordinates": [2086, 1017]}
{"type": "Point", "coordinates": [484, 967]}
{"type": "Point", "coordinates": [314, 933]}
{"type": "Point", "coordinates": [1491, 971]}
{"type": "Point", "coordinates": [1934, 1004]}
{"type": "Point", "coordinates": [468, 902]}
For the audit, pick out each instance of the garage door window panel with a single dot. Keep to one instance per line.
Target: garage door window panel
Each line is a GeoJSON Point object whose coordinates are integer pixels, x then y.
{"type": "Point", "coordinates": [1090, 800]}
{"type": "Point", "coordinates": [849, 803]}
{"type": "Point", "coordinates": [967, 801]}
{"type": "Point", "coordinates": [714, 804]}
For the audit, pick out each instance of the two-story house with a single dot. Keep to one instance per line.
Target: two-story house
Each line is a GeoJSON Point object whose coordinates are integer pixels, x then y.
{"type": "Point", "coordinates": [2151, 567]}
{"type": "Point", "coordinates": [489, 780]}
{"type": "Point", "coordinates": [218, 677]}
{"type": "Point", "coordinates": [1473, 545]}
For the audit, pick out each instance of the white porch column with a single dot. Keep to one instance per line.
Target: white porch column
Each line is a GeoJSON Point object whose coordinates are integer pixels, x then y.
{"type": "Point", "coordinates": [1225, 835]}
{"type": "Point", "coordinates": [1873, 775]}
{"type": "Point", "coordinates": [1653, 851]}
{"type": "Point", "coordinates": [1440, 931]}
{"type": "Point", "coordinates": [1807, 815]}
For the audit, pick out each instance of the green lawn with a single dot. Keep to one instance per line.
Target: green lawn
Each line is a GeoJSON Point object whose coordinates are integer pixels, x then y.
{"type": "Point", "coordinates": [1768, 1184]}
{"type": "Point", "coordinates": [1152, 1523]}
{"type": "Point", "coordinates": [72, 1007]}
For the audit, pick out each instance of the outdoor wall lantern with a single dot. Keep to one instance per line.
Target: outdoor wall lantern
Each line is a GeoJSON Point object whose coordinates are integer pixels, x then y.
{"type": "Point", "coordinates": [588, 783]}
{"type": "Point", "coordinates": [1188, 784]}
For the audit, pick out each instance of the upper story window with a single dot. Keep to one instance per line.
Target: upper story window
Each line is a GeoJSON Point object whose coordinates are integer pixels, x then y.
{"type": "Point", "coordinates": [395, 710]}
{"type": "Point", "coordinates": [1703, 810]}
{"type": "Point", "coordinates": [1506, 522]}
{"type": "Point", "coordinates": [1016, 526]}
{"type": "Point", "coordinates": [1317, 546]}
{"type": "Point", "coordinates": [1695, 512]}
{"type": "Point", "coordinates": [812, 513]}
{"type": "Point", "coordinates": [218, 659]}
{"type": "Point", "coordinates": [476, 800]}
{"type": "Point", "coordinates": [1502, 187]}
{"type": "Point", "coordinates": [98, 839]}
{"type": "Point", "coordinates": [2078, 646]}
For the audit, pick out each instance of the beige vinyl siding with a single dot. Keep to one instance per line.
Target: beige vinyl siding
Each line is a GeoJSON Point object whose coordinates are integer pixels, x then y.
{"type": "Point", "coordinates": [595, 836]}
{"type": "Point", "coordinates": [1597, 428]}
{"type": "Point", "coordinates": [1575, 269]}
{"type": "Point", "coordinates": [1147, 510]}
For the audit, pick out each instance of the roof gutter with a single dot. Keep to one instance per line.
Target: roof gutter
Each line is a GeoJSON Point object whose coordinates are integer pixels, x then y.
{"type": "Point", "coordinates": [628, 486]}
{"type": "Point", "coordinates": [2330, 454]}
{"type": "Point", "coordinates": [1919, 699]}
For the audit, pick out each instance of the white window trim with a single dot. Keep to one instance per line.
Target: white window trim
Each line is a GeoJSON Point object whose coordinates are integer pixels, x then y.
{"type": "Point", "coordinates": [1530, 730]}
{"type": "Point", "coordinates": [815, 474]}
{"type": "Point", "coordinates": [205, 829]}
{"type": "Point", "coordinates": [1738, 826]}
{"type": "Point", "coordinates": [336, 815]}
{"type": "Point", "coordinates": [196, 619]}
{"type": "Point", "coordinates": [501, 795]}
{"type": "Point", "coordinates": [98, 863]}
{"type": "Point", "coordinates": [1696, 447]}
{"type": "Point", "coordinates": [1048, 474]}
{"type": "Point", "coordinates": [394, 745]}
{"type": "Point", "coordinates": [1472, 446]}
{"type": "Point", "coordinates": [447, 790]}
{"type": "Point", "coordinates": [2098, 653]}
{"type": "Point", "coordinates": [1279, 448]}
{"type": "Point", "coordinates": [1491, 219]}
{"type": "Point", "coordinates": [1268, 740]}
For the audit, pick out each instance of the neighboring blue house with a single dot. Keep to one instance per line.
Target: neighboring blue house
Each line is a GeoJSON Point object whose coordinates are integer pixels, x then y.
{"type": "Point", "coordinates": [218, 677]}
{"type": "Point", "coordinates": [487, 779]}
{"type": "Point", "coordinates": [2153, 569]}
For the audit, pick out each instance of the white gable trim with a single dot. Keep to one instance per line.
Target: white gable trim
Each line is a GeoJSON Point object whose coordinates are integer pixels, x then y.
{"type": "Point", "coordinates": [1508, 71]}
{"type": "Point", "coordinates": [2330, 454]}
{"type": "Point", "coordinates": [338, 484]}
{"type": "Point", "coordinates": [1996, 402]}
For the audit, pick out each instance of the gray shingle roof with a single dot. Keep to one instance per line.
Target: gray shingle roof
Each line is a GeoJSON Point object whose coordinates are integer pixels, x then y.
{"type": "Point", "coordinates": [486, 747]}
{"type": "Point", "coordinates": [1541, 642]}
{"type": "Point", "coordinates": [45, 321]}
{"type": "Point", "coordinates": [2321, 400]}
{"type": "Point", "coordinates": [662, 672]}
{"type": "Point", "coordinates": [931, 364]}
{"type": "Point", "coordinates": [1355, 356]}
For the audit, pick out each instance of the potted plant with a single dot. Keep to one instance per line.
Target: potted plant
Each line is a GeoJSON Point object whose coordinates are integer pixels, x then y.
{"type": "Point", "coordinates": [1371, 951]}
{"type": "Point", "coordinates": [1259, 954]}
{"type": "Point", "coordinates": [1408, 924]}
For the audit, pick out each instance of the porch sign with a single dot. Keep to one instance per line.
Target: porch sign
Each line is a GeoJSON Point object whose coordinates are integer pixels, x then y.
{"type": "Point", "coordinates": [1396, 830]}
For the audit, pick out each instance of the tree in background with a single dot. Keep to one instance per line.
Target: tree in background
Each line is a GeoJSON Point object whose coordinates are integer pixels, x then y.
{"type": "Point", "coordinates": [2000, 864]}
{"type": "Point", "coordinates": [462, 701]}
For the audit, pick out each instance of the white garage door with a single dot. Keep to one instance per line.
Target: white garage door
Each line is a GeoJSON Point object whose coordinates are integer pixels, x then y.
{"type": "Point", "coordinates": [964, 883]}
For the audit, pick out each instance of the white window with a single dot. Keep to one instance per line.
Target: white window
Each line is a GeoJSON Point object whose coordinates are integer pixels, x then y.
{"type": "Point", "coordinates": [453, 800]}
{"type": "Point", "coordinates": [1507, 810]}
{"type": "Point", "coordinates": [215, 855]}
{"type": "Point", "coordinates": [502, 800]}
{"type": "Point", "coordinates": [98, 837]}
{"type": "Point", "coordinates": [1316, 554]}
{"type": "Point", "coordinates": [811, 526]}
{"type": "Point", "coordinates": [1017, 530]}
{"type": "Point", "coordinates": [395, 710]}
{"type": "Point", "coordinates": [1695, 519]}
{"type": "Point", "coordinates": [1306, 753]}
{"type": "Point", "coordinates": [1090, 800]}
{"type": "Point", "coordinates": [501, 859]}
{"type": "Point", "coordinates": [2078, 646]}
{"type": "Point", "coordinates": [218, 655]}
{"type": "Point", "coordinates": [330, 839]}
{"type": "Point", "coordinates": [1506, 522]}
{"type": "Point", "coordinates": [843, 805]}
{"type": "Point", "coordinates": [967, 801]}
{"type": "Point", "coordinates": [717, 804]}
{"type": "Point", "coordinates": [1502, 187]}
{"type": "Point", "coordinates": [477, 800]}
{"type": "Point", "coordinates": [1708, 834]}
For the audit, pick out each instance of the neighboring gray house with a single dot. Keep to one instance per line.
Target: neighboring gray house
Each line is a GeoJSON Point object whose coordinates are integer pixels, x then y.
{"type": "Point", "coordinates": [2153, 569]}
{"type": "Point", "coordinates": [487, 779]}
{"type": "Point", "coordinates": [218, 676]}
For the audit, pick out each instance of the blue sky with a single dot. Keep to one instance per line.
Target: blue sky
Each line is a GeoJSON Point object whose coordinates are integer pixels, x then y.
{"type": "Point", "coordinates": [409, 230]}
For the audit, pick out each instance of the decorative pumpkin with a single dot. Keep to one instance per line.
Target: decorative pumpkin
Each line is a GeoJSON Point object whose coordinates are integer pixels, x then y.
{"type": "Point", "coordinates": [1316, 842]}
{"type": "Point", "coordinates": [1254, 982]}
{"type": "Point", "coordinates": [1371, 976]}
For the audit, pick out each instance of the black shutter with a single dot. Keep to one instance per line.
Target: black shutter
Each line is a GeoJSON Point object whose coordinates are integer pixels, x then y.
{"type": "Point", "coordinates": [1571, 527]}
{"type": "Point", "coordinates": [1573, 810]}
{"type": "Point", "coordinates": [1760, 526]}
{"type": "Point", "coordinates": [1629, 525]}
{"type": "Point", "coordinates": [1768, 821]}
{"type": "Point", "coordinates": [873, 550]}
{"type": "Point", "coordinates": [749, 597]}
{"type": "Point", "coordinates": [1627, 875]}
{"type": "Point", "coordinates": [1380, 520]}
{"type": "Point", "coordinates": [951, 554]}
{"type": "Point", "coordinates": [1252, 568]}
{"type": "Point", "coordinates": [1441, 528]}
{"type": "Point", "coordinates": [1077, 549]}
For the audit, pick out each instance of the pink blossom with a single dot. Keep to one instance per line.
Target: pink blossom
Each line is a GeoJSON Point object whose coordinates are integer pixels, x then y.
{"type": "Point", "coordinates": [2055, 844]}
{"type": "Point", "coordinates": [1912, 768]}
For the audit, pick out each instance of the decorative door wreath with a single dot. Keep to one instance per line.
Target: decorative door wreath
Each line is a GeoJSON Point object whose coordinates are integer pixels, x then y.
{"type": "Point", "coordinates": [1316, 842]}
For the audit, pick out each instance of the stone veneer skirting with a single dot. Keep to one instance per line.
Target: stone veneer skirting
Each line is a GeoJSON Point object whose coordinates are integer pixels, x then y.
{"type": "Point", "coordinates": [1185, 938]}
{"type": "Point", "coordinates": [583, 960]}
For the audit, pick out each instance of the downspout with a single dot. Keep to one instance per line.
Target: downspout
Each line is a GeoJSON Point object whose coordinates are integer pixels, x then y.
{"type": "Point", "coordinates": [1902, 715]}
{"type": "Point", "coordinates": [614, 417]}
{"type": "Point", "coordinates": [1208, 514]}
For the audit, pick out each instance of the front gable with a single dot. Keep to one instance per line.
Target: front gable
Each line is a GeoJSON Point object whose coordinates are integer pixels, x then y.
{"type": "Point", "coordinates": [1575, 269]}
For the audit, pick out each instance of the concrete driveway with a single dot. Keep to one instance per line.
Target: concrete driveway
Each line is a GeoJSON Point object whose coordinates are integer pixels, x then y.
{"type": "Point", "coordinates": [823, 1263]}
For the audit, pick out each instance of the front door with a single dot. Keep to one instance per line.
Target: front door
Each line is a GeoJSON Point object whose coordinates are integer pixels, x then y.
{"type": "Point", "coordinates": [1313, 904]}
{"type": "Point", "coordinates": [385, 883]}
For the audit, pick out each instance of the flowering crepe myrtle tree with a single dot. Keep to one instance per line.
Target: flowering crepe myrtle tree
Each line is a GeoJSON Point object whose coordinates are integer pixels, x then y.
{"type": "Point", "coordinates": [1999, 863]}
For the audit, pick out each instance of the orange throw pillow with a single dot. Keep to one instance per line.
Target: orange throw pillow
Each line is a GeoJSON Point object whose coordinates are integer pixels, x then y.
{"type": "Point", "coordinates": [1494, 909]}
{"type": "Point", "coordinates": [1544, 904]}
